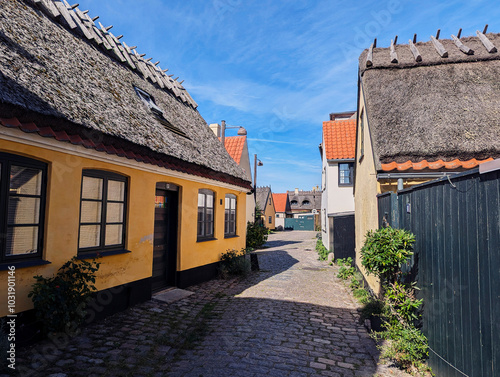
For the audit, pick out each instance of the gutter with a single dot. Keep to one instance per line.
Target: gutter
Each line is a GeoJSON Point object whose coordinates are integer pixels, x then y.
{"type": "Point", "coordinates": [415, 175]}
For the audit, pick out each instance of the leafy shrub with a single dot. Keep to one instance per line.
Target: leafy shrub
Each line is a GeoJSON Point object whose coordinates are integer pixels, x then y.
{"type": "Point", "coordinates": [233, 263]}
{"type": "Point", "coordinates": [60, 301]}
{"type": "Point", "coordinates": [373, 307]}
{"type": "Point", "coordinates": [407, 346]}
{"type": "Point", "coordinates": [401, 300]}
{"type": "Point", "coordinates": [256, 235]}
{"type": "Point", "coordinates": [385, 250]}
{"type": "Point", "coordinates": [346, 268]}
{"type": "Point", "coordinates": [322, 250]}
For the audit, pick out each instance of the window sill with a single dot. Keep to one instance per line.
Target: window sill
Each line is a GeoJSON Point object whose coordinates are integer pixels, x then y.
{"type": "Point", "coordinates": [24, 264]}
{"type": "Point", "coordinates": [231, 236]}
{"type": "Point", "coordinates": [97, 254]}
{"type": "Point", "coordinates": [206, 239]}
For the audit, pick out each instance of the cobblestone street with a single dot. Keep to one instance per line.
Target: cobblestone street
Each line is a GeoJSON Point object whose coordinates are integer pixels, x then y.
{"type": "Point", "coordinates": [292, 318]}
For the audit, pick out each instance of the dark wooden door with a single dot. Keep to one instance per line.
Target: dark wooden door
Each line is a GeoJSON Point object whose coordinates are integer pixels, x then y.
{"type": "Point", "coordinates": [343, 236]}
{"type": "Point", "coordinates": [165, 239]}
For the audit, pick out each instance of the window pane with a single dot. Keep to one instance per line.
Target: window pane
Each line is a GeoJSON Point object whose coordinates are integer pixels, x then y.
{"type": "Point", "coordinates": [91, 212]}
{"type": "Point", "coordinates": [25, 181]}
{"type": "Point", "coordinates": [22, 240]}
{"type": "Point", "coordinates": [116, 190]}
{"type": "Point", "coordinates": [209, 216]}
{"type": "Point", "coordinates": [92, 188]}
{"type": "Point", "coordinates": [233, 203]}
{"type": "Point", "coordinates": [201, 200]}
{"type": "Point", "coordinates": [114, 213]}
{"type": "Point", "coordinates": [228, 202]}
{"type": "Point", "coordinates": [23, 210]}
{"type": "Point", "coordinates": [210, 201]}
{"type": "Point", "coordinates": [200, 228]}
{"type": "Point", "coordinates": [209, 229]}
{"type": "Point", "coordinates": [113, 234]}
{"type": "Point", "coordinates": [89, 235]}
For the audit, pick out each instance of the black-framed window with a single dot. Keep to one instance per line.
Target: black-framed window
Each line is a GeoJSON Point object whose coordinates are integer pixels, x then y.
{"type": "Point", "coordinates": [230, 216]}
{"type": "Point", "coordinates": [345, 173]}
{"type": "Point", "coordinates": [102, 211]}
{"type": "Point", "coordinates": [23, 184]}
{"type": "Point", "coordinates": [206, 200]}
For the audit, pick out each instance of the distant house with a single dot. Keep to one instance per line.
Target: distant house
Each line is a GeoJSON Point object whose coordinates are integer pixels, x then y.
{"type": "Point", "coordinates": [305, 201]}
{"type": "Point", "coordinates": [337, 201]}
{"type": "Point", "coordinates": [102, 153]}
{"type": "Point", "coordinates": [265, 207]}
{"type": "Point", "coordinates": [428, 110]}
{"type": "Point", "coordinates": [283, 209]}
{"type": "Point", "coordinates": [237, 147]}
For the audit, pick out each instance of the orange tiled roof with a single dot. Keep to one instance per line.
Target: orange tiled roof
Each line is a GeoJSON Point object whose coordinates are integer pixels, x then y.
{"type": "Point", "coordinates": [434, 165]}
{"type": "Point", "coordinates": [280, 202]}
{"type": "Point", "coordinates": [339, 138]}
{"type": "Point", "coordinates": [234, 146]}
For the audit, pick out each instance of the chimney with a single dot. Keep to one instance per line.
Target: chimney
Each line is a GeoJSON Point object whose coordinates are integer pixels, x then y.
{"type": "Point", "coordinates": [215, 127]}
{"type": "Point", "coordinates": [296, 191]}
{"type": "Point", "coordinates": [223, 132]}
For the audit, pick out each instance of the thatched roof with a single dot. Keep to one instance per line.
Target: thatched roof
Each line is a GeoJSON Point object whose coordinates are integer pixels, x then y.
{"type": "Point", "coordinates": [438, 108]}
{"type": "Point", "coordinates": [304, 200]}
{"type": "Point", "coordinates": [72, 77]}
{"type": "Point", "coordinates": [262, 196]}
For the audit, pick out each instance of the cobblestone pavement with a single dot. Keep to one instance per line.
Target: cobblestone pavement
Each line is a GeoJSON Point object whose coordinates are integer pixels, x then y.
{"type": "Point", "coordinates": [292, 318]}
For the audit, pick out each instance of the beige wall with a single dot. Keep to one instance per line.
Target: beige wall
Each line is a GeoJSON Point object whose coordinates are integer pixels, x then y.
{"type": "Point", "coordinates": [366, 190]}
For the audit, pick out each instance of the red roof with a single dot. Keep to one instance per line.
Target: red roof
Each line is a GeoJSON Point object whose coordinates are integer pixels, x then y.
{"type": "Point", "coordinates": [165, 161]}
{"type": "Point", "coordinates": [280, 201]}
{"type": "Point", "coordinates": [339, 139]}
{"type": "Point", "coordinates": [434, 165]}
{"type": "Point", "coordinates": [234, 146]}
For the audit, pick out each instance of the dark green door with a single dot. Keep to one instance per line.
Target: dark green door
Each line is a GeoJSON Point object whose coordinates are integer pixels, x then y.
{"type": "Point", "coordinates": [165, 239]}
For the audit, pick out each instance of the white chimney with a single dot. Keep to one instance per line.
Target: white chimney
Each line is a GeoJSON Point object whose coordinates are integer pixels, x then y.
{"type": "Point", "coordinates": [215, 127]}
{"type": "Point", "coordinates": [296, 191]}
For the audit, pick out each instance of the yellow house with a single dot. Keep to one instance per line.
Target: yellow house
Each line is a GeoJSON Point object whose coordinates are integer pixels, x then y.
{"type": "Point", "coordinates": [265, 205]}
{"type": "Point", "coordinates": [102, 153]}
{"type": "Point", "coordinates": [425, 110]}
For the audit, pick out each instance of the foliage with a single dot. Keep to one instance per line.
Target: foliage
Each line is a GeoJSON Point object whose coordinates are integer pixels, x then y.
{"type": "Point", "coordinates": [406, 345]}
{"type": "Point", "coordinates": [234, 263]}
{"type": "Point", "coordinates": [373, 307]}
{"type": "Point", "coordinates": [60, 301]}
{"type": "Point", "coordinates": [401, 300]}
{"type": "Point", "coordinates": [385, 250]}
{"type": "Point", "coordinates": [361, 294]}
{"type": "Point", "coordinates": [346, 268]}
{"type": "Point", "coordinates": [322, 250]}
{"type": "Point", "coordinates": [256, 235]}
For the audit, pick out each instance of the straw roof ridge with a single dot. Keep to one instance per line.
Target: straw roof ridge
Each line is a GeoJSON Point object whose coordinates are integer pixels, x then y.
{"type": "Point", "coordinates": [49, 75]}
{"type": "Point", "coordinates": [432, 111]}
{"type": "Point", "coordinates": [429, 55]}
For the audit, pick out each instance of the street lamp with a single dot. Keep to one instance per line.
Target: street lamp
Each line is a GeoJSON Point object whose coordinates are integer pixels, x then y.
{"type": "Point", "coordinates": [223, 127]}
{"type": "Point", "coordinates": [255, 164]}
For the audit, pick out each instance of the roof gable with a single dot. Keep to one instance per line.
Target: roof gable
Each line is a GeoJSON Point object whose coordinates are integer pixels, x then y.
{"type": "Point", "coordinates": [56, 77]}
{"type": "Point", "coordinates": [281, 202]}
{"type": "Point", "coordinates": [234, 146]}
{"type": "Point", "coordinates": [339, 139]}
{"type": "Point", "coordinates": [436, 109]}
{"type": "Point", "coordinates": [262, 196]}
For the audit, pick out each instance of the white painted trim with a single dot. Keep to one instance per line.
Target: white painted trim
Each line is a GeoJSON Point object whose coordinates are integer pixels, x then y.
{"type": "Point", "coordinates": [16, 135]}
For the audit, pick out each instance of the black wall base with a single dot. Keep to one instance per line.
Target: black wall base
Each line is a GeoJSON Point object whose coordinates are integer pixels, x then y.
{"type": "Point", "coordinates": [197, 275]}
{"type": "Point", "coordinates": [103, 304]}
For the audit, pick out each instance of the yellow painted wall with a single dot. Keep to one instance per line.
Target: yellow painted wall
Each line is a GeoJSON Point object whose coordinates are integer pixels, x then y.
{"type": "Point", "coordinates": [270, 211]}
{"type": "Point", "coordinates": [365, 196]}
{"type": "Point", "coordinates": [63, 211]}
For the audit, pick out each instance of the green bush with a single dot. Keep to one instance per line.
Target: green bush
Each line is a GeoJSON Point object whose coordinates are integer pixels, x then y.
{"type": "Point", "coordinates": [346, 268]}
{"type": "Point", "coordinates": [234, 263]}
{"type": "Point", "coordinates": [385, 250]}
{"type": "Point", "coordinates": [60, 301]}
{"type": "Point", "coordinates": [256, 235]}
{"type": "Point", "coordinates": [322, 250]}
{"type": "Point", "coordinates": [401, 300]}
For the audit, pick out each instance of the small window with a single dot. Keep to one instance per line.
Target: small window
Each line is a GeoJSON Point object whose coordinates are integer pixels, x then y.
{"type": "Point", "coordinates": [270, 219]}
{"type": "Point", "coordinates": [157, 112]}
{"type": "Point", "coordinates": [345, 174]}
{"type": "Point", "coordinates": [206, 199]}
{"type": "Point", "coordinates": [102, 211]}
{"type": "Point", "coordinates": [22, 205]}
{"type": "Point", "coordinates": [230, 216]}
{"type": "Point", "coordinates": [293, 202]}
{"type": "Point", "coordinates": [306, 202]}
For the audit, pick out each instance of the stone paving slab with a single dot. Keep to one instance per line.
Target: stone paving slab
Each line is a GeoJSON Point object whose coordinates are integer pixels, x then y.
{"type": "Point", "coordinates": [291, 318]}
{"type": "Point", "coordinates": [172, 295]}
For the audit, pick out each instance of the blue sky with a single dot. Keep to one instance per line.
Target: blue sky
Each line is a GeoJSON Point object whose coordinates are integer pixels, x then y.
{"type": "Point", "coordinates": [276, 67]}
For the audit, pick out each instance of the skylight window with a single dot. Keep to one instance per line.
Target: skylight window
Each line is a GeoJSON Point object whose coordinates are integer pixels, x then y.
{"type": "Point", "coordinates": [149, 101]}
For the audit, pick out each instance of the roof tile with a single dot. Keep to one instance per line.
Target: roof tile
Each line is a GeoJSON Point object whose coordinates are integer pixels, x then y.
{"type": "Point", "coordinates": [339, 138]}
{"type": "Point", "coordinates": [234, 146]}
{"type": "Point", "coordinates": [433, 165]}
{"type": "Point", "coordinates": [280, 202]}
